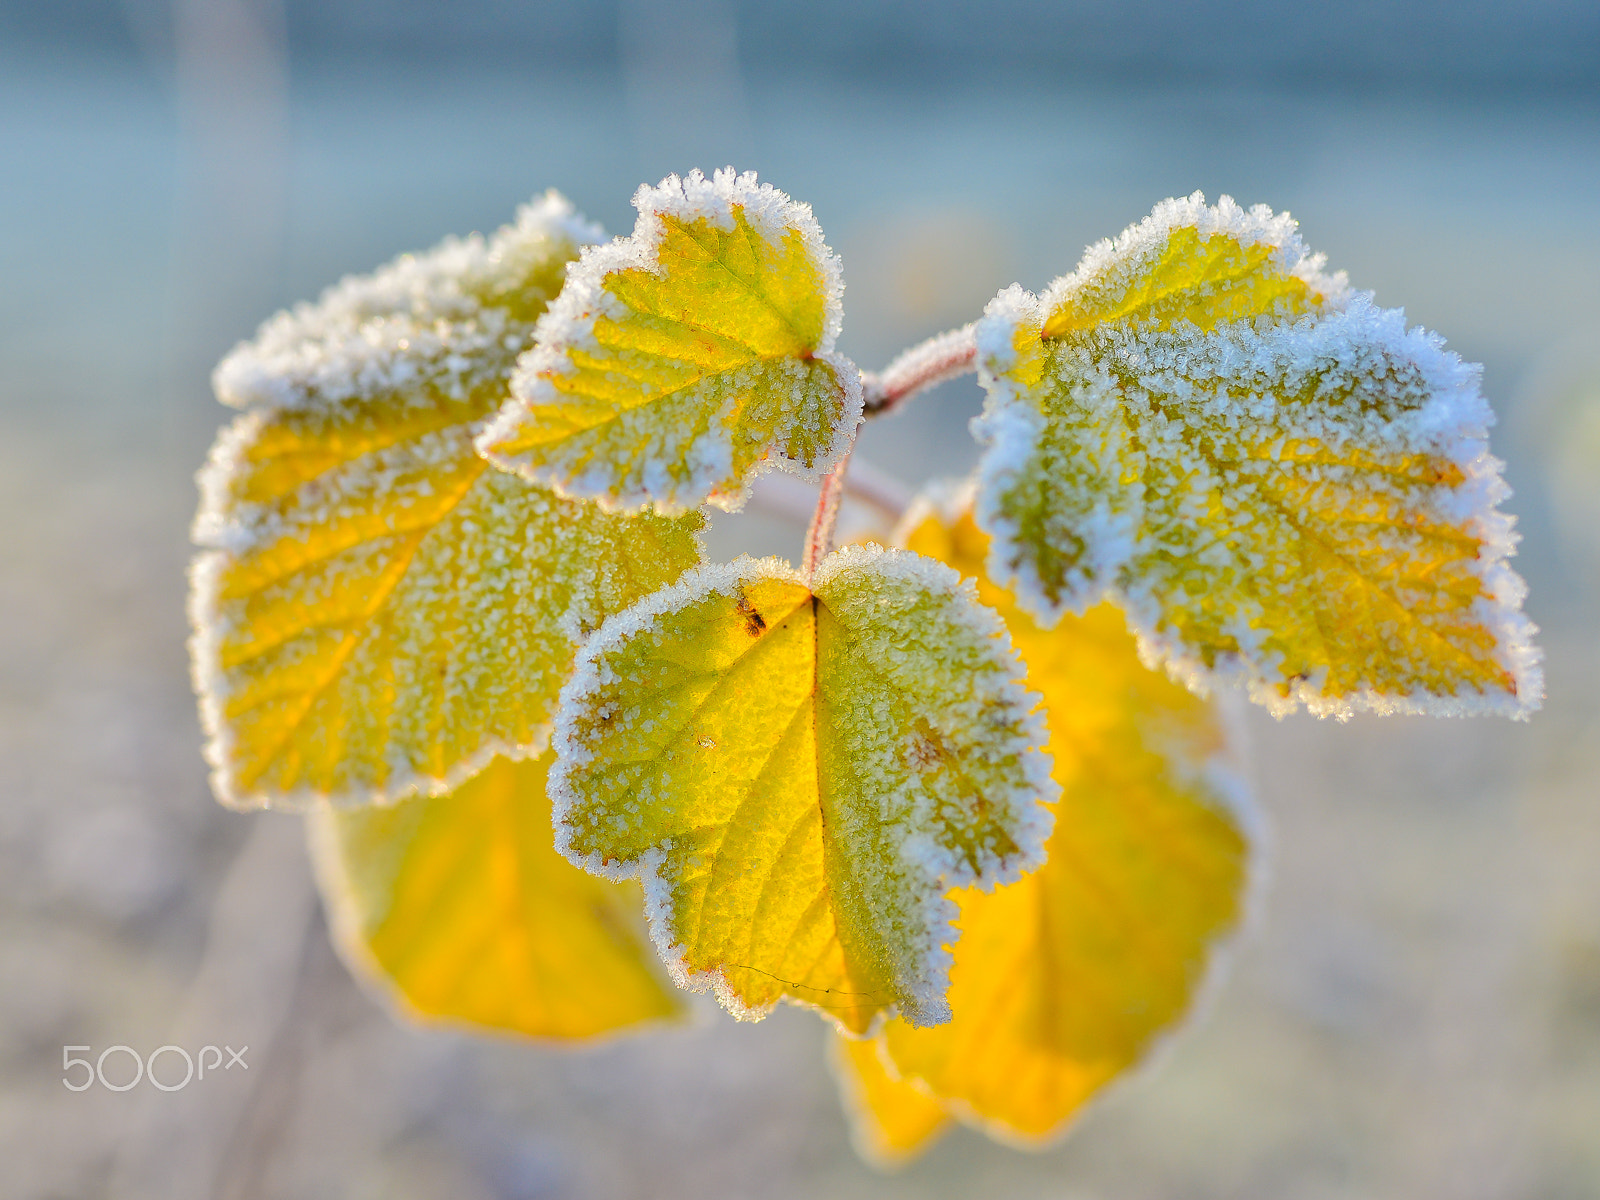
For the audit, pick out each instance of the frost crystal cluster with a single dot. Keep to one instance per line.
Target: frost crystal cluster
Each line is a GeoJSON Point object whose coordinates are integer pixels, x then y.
{"type": "Point", "coordinates": [963, 789]}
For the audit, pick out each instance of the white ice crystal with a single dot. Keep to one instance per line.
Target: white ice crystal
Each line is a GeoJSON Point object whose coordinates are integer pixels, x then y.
{"type": "Point", "coordinates": [1223, 482]}
{"type": "Point", "coordinates": [688, 398]}
{"type": "Point", "coordinates": [926, 698]}
{"type": "Point", "coordinates": [376, 612]}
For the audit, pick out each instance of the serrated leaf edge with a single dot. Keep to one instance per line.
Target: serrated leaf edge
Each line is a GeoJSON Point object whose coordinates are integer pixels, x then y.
{"type": "Point", "coordinates": [1455, 420]}
{"type": "Point", "coordinates": [1225, 781]}
{"type": "Point", "coordinates": [569, 323]}
{"type": "Point", "coordinates": [1225, 778]}
{"type": "Point", "coordinates": [255, 379]}
{"type": "Point", "coordinates": [208, 680]}
{"type": "Point", "coordinates": [1034, 821]}
{"type": "Point", "coordinates": [282, 365]}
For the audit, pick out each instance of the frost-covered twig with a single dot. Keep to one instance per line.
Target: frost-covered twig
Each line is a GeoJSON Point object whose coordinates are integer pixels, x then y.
{"type": "Point", "coordinates": [819, 537]}
{"type": "Point", "coordinates": [947, 356]}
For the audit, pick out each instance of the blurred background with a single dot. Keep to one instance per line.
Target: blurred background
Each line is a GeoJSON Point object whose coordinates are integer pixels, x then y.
{"type": "Point", "coordinates": [1417, 1014]}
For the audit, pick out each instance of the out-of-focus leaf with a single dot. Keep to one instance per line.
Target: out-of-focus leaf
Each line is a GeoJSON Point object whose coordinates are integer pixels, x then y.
{"type": "Point", "coordinates": [460, 908]}
{"type": "Point", "coordinates": [1067, 978]}
{"type": "Point", "coordinates": [891, 1120]}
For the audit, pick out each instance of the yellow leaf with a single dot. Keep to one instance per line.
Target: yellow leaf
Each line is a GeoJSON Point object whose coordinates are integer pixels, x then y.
{"type": "Point", "coordinates": [891, 1121]}
{"type": "Point", "coordinates": [377, 612]}
{"type": "Point", "coordinates": [800, 774]}
{"type": "Point", "coordinates": [1065, 979]}
{"type": "Point", "coordinates": [459, 907]}
{"type": "Point", "coordinates": [1277, 481]}
{"type": "Point", "coordinates": [678, 361]}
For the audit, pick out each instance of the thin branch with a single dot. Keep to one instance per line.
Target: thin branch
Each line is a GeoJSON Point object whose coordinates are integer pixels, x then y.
{"type": "Point", "coordinates": [819, 537]}
{"type": "Point", "coordinates": [948, 356]}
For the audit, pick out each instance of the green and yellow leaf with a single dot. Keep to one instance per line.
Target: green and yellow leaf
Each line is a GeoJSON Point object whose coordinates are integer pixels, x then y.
{"type": "Point", "coordinates": [1065, 979]}
{"type": "Point", "coordinates": [680, 361]}
{"type": "Point", "coordinates": [1277, 481]}
{"type": "Point", "coordinates": [376, 612]}
{"type": "Point", "coordinates": [459, 908]}
{"type": "Point", "coordinates": [800, 774]}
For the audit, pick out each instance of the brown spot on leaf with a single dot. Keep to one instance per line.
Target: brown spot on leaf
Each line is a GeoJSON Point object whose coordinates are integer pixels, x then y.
{"type": "Point", "coordinates": [754, 624]}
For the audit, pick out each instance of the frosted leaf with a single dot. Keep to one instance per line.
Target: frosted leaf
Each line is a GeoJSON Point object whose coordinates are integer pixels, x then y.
{"type": "Point", "coordinates": [1066, 979]}
{"type": "Point", "coordinates": [460, 910]}
{"type": "Point", "coordinates": [800, 775]}
{"type": "Point", "coordinates": [1275, 479]}
{"type": "Point", "coordinates": [376, 612]}
{"type": "Point", "coordinates": [678, 362]}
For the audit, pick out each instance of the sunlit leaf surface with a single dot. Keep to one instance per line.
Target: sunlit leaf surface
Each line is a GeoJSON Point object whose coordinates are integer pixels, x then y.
{"type": "Point", "coordinates": [1066, 978]}
{"type": "Point", "coordinates": [460, 908]}
{"type": "Point", "coordinates": [801, 774]}
{"type": "Point", "coordinates": [679, 360]}
{"type": "Point", "coordinates": [1276, 480]}
{"type": "Point", "coordinates": [376, 611]}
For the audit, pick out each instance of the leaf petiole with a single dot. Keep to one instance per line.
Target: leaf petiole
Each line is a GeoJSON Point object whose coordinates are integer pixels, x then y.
{"type": "Point", "coordinates": [819, 534]}
{"type": "Point", "coordinates": [947, 356]}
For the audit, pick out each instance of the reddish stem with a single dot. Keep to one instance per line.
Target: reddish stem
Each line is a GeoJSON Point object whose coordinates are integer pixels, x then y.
{"type": "Point", "coordinates": [819, 537]}
{"type": "Point", "coordinates": [948, 356]}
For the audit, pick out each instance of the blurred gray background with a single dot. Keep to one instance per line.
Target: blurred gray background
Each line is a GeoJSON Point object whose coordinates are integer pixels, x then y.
{"type": "Point", "coordinates": [1417, 1014]}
